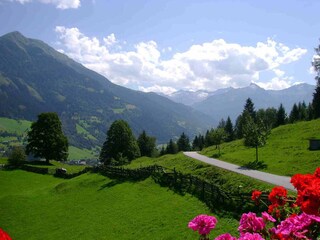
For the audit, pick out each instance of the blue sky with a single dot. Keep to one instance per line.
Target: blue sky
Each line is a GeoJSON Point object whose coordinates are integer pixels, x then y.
{"type": "Point", "coordinates": [166, 46]}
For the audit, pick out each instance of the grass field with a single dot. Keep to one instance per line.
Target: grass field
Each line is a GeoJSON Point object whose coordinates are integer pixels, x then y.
{"type": "Point", "coordinates": [53, 165]}
{"type": "Point", "coordinates": [91, 206]}
{"type": "Point", "coordinates": [286, 151]}
{"type": "Point", "coordinates": [14, 126]}
{"type": "Point", "coordinates": [20, 127]}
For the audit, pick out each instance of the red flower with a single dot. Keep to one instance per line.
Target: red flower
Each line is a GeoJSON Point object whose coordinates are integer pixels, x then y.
{"type": "Point", "coordinates": [278, 196]}
{"type": "Point", "coordinates": [4, 235]}
{"type": "Point", "coordinates": [256, 196]}
{"type": "Point", "coordinates": [317, 172]}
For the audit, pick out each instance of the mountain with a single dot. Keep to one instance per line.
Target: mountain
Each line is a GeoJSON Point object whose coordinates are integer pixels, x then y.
{"type": "Point", "coordinates": [35, 78]}
{"type": "Point", "coordinates": [230, 102]}
{"type": "Point", "coordinates": [191, 98]}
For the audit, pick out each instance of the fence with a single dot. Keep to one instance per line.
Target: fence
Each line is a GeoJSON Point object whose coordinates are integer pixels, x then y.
{"type": "Point", "coordinates": [211, 194]}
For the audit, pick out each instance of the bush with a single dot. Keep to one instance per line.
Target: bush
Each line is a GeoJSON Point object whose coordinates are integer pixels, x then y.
{"type": "Point", "coordinates": [17, 156]}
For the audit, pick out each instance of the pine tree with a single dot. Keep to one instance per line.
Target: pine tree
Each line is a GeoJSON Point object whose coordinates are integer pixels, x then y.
{"type": "Point", "coordinates": [183, 143]}
{"type": "Point", "coordinates": [249, 107]}
{"type": "Point", "coordinates": [147, 144]}
{"type": "Point", "coordinates": [294, 114]}
{"type": "Point", "coordinates": [172, 147]}
{"type": "Point", "coordinates": [281, 116]}
{"type": "Point", "coordinates": [229, 130]}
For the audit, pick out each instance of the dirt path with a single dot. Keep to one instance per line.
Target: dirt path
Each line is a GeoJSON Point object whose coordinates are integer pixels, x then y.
{"type": "Point", "coordinates": [266, 177]}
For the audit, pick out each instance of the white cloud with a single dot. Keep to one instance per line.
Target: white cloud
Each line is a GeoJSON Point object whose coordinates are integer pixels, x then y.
{"type": "Point", "coordinates": [61, 4]}
{"type": "Point", "coordinates": [207, 66]}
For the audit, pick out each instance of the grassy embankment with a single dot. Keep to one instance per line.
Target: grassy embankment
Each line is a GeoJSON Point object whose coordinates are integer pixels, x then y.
{"type": "Point", "coordinates": [286, 152]}
{"type": "Point", "coordinates": [18, 130]}
{"type": "Point", "coordinates": [91, 206]}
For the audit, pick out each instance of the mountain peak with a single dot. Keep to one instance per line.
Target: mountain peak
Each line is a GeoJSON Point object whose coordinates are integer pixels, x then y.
{"type": "Point", "coordinates": [254, 86]}
{"type": "Point", "coordinates": [16, 35]}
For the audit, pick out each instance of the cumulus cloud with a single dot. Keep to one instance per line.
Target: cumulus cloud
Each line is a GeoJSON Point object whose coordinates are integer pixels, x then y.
{"type": "Point", "coordinates": [209, 66]}
{"type": "Point", "coordinates": [61, 4]}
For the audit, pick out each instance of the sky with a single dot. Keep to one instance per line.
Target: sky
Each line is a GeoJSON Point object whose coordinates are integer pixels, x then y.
{"type": "Point", "coordinates": [166, 46]}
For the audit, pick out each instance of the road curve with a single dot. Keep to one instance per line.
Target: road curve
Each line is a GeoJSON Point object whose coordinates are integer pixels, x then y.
{"type": "Point", "coordinates": [266, 177]}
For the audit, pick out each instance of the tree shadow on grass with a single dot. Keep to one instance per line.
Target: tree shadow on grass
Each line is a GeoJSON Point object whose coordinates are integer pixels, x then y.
{"type": "Point", "coordinates": [113, 183]}
{"type": "Point", "coordinates": [255, 165]}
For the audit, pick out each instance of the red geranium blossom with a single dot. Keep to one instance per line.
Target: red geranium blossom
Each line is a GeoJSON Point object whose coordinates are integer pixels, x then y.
{"type": "Point", "coordinates": [256, 196]}
{"type": "Point", "coordinates": [4, 235]}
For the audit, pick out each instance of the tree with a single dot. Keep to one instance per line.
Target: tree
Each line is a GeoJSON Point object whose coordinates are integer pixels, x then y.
{"type": "Point", "coordinates": [120, 144]}
{"type": "Point", "coordinates": [268, 116]}
{"type": "Point", "coordinates": [46, 139]}
{"type": "Point", "coordinates": [255, 134]}
{"type": "Point", "coordinates": [198, 143]}
{"type": "Point", "coordinates": [249, 107]}
{"type": "Point", "coordinates": [172, 147]}
{"type": "Point", "coordinates": [316, 94]}
{"type": "Point", "coordinates": [218, 136]}
{"type": "Point", "coordinates": [229, 130]}
{"type": "Point", "coordinates": [294, 114]}
{"type": "Point", "coordinates": [281, 116]}
{"type": "Point", "coordinates": [17, 156]}
{"type": "Point", "coordinates": [147, 144]}
{"type": "Point", "coordinates": [183, 143]}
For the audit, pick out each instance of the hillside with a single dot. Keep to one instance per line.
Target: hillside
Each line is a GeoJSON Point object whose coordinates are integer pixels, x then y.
{"type": "Point", "coordinates": [92, 206]}
{"type": "Point", "coordinates": [286, 151]}
{"type": "Point", "coordinates": [35, 78]}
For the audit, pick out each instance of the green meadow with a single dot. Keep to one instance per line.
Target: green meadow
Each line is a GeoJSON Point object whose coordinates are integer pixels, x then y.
{"type": "Point", "coordinates": [286, 152]}
{"type": "Point", "coordinates": [91, 206]}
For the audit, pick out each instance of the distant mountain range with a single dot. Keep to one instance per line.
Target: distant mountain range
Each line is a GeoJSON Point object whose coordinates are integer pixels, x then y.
{"type": "Point", "coordinates": [35, 78]}
{"type": "Point", "coordinates": [230, 101]}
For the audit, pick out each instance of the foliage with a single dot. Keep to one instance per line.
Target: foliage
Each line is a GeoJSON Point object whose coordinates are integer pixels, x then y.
{"type": "Point", "coordinates": [46, 139]}
{"type": "Point", "coordinates": [17, 156]}
{"type": "Point", "coordinates": [229, 130]}
{"type": "Point", "coordinates": [255, 134]}
{"type": "Point", "coordinates": [198, 143]}
{"type": "Point", "coordinates": [183, 143]}
{"type": "Point", "coordinates": [120, 144]}
{"type": "Point", "coordinates": [147, 144]}
{"type": "Point", "coordinates": [281, 116]}
{"type": "Point", "coordinates": [172, 147]}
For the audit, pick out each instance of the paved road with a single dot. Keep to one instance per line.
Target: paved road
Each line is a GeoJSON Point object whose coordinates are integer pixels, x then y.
{"type": "Point", "coordinates": [266, 177]}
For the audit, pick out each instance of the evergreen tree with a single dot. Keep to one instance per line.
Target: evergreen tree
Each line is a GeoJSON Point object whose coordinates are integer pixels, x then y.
{"type": "Point", "coordinates": [120, 144]}
{"type": "Point", "coordinates": [294, 114]}
{"type": "Point", "coordinates": [310, 112]}
{"type": "Point", "coordinates": [316, 94]}
{"type": "Point", "coordinates": [46, 139]}
{"type": "Point", "coordinates": [183, 143]}
{"type": "Point", "coordinates": [198, 143]}
{"type": "Point", "coordinates": [281, 116]}
{"type": "Point", "coordinates": [229, 130]}
{"type": "Point", "coordinates": [147, 144]}
{"type": "Point", "coordinates": [302, 108]}
{"type": "Point", "coordinates": [172, 147]}
{"type": "Point", "coordinates": [249, 107]}
{"type": "Point", "coordinates": [162, 151]}
{"type": "Point", "coordinates": [222, 123]}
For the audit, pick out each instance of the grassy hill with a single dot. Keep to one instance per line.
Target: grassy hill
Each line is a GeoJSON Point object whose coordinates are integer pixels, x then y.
{"type": "Point", "coordinates": [14, 132]}
{"type": "Point", "coordinates": [92, 206]}
{"type": "Point", "coordinates": [285, 153]}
